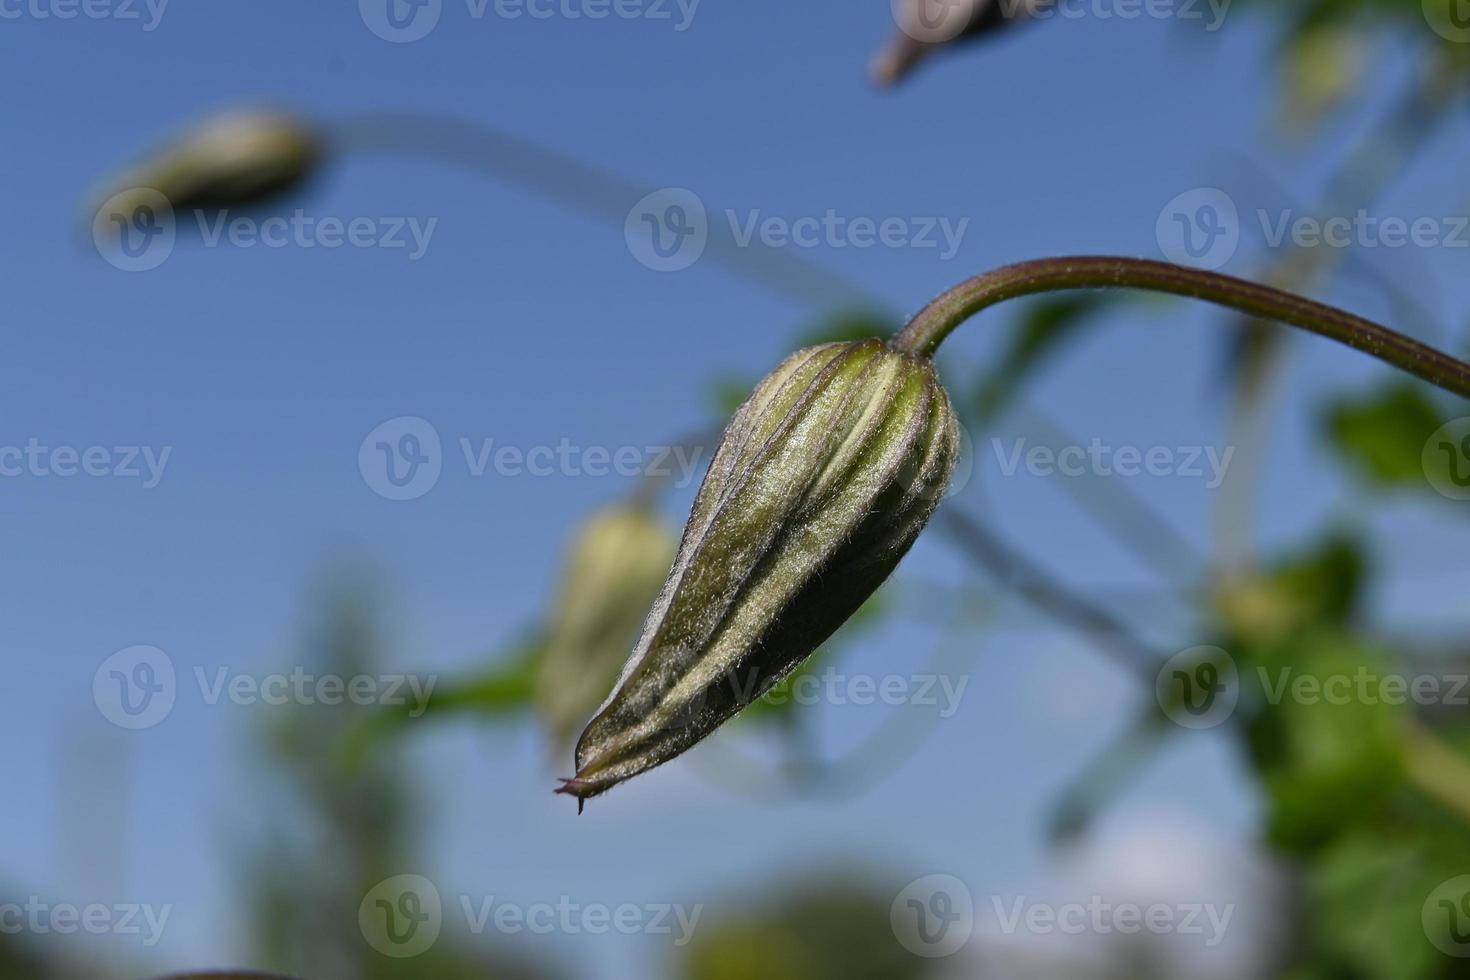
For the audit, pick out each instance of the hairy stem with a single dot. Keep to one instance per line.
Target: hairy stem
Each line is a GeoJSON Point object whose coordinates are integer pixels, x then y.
{"type": "Point", "coordinates": [940, 318]}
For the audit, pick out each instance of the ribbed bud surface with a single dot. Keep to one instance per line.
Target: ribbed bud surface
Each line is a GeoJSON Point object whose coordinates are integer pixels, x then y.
{"type": "Point", "coordinates": [822, 482]}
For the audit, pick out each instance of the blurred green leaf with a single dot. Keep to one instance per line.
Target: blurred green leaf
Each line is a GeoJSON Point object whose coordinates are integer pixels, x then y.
{"type": "Point", "coordinates": [1327, 742]}
{"type": "Point", "coordinates": [1321, 587]}
{"type": "Point", "coordinates": [1367, 893]}
{"type": "Point", "coordinates": [825, 930]}
{"type": "Point", "coordinates": [505, 688]}
{"type": "Point", "coordinates": [1380, 436]}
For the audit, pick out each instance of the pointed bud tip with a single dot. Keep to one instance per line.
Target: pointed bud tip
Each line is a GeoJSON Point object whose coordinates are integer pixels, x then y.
{"type": "Point", "coordinates": [581, 789]}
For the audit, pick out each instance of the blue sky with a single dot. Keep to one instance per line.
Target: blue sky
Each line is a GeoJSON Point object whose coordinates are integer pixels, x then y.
{"type": "Point", "coordinates": [529, 323]}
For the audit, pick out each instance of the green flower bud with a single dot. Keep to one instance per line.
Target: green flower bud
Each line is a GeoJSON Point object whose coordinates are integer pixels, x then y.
{"type": "Point", "coordinates": [821, 483]}
{"type": "Point", "coordinates": [618, 562]}
{"type": "Point", "coordinates": [234, 160]}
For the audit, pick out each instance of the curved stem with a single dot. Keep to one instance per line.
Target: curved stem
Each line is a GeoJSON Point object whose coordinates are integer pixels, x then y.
{"type": "Point", "coordinates": [940, 318]}
{"type": "Point", "coordinates": [585, 186]}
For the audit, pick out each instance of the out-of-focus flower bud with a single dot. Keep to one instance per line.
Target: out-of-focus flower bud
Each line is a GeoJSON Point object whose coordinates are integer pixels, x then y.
{"type": "Point", "coordinates": [821, 483]}
{"type": "Point", "coordinates": [617, 565]}
{"type": "Point", "coordinates": [927, 26]}
{"type": "Point", "coordinates": [233, 160]}
{"type": "Point", "coordinates": [1322, 70]}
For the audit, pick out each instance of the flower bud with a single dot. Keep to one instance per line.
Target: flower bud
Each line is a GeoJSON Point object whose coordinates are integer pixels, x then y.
{"type": "Point", "coordinates": [821, 483]}
{"type": "Point", "coordinates": [617, 564]}
{"type": "Point", "coordinates": [234, 160]}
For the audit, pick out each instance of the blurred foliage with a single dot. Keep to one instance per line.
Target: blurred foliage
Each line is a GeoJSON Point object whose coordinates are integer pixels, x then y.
{"type": "Point", "coordinates": [1380, 436]}
{"type": "Point", "coordinates": [335, 832]}
{"type": "Point", "coordinates": [823, 930]}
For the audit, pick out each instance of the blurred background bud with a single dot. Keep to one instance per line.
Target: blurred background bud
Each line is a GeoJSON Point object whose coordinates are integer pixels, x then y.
{"type": "Point", "coordinates": [238, 159]}
{"type": "Point", "coordinates": [928, 26]}
{"type": "Point", "coordinates": [1322, 69]}
{"type": "Point", "coordinates": [617, 565]}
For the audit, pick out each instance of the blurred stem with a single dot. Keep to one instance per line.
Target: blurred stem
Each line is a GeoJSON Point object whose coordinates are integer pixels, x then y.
{"type": "Point", "coordinates": [1129, 518]}
{"type": "Point", "coordinates": [586, 187]}
{"type": "Point", "coordinates": [1437, 769]}
{"type": "Point", "coordinates": [937, 321]}
{"type": "Point", "coordinates": [1106, 776]}
{"type": "Point", "coordinates": [1029, 581]}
